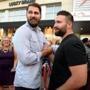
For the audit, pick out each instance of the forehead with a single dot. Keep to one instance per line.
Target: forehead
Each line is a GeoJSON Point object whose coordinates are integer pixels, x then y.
{"type": "Point", "coordinates": [6, 39]}
{"type": "Point", "coordinates": [60, 18]}
{"type": "Point", "coordinates": [33, 8]}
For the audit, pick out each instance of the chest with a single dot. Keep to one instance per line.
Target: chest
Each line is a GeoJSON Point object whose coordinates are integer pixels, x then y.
{"type": "Point", "coordinates": [6, 55]}
{"type": "Point", "coordinates": [36, 41]}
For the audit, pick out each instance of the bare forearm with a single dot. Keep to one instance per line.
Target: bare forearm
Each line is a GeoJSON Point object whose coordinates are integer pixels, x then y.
{"type": "Point", "coordinates": [78, 78]}
{"type": "Point", "coordinates": [70, 84]}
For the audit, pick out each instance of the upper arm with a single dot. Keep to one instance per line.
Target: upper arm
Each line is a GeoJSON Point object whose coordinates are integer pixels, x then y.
{"type": "Point", "coordinates": [79, 73]}
{"type": "Point", "coordinates": [26, 49]}
{"type": "Point", "coordinates": [76, 59]}
{"type": "Point", "coordinates": [75, 54]}
{"type": "Point", "coordinates": [15, 54]}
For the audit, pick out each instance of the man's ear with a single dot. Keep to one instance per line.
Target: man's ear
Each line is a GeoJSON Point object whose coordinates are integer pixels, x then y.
{"type": "Point", "coordinates": [69, 23]}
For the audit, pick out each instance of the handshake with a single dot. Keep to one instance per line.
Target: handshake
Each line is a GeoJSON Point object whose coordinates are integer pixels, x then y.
{"type": "Point", "coordinates": [47, 50]}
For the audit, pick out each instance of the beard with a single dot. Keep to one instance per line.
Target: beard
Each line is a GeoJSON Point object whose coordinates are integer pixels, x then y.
{"type": "Point", "coordinates": [60, 32]}
{"type": "Point", "coordinates": [33, 22]}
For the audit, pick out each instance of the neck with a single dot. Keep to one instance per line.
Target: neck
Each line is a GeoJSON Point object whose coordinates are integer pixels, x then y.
{"type": "Point", "coordinates": [5, 48]}
{"type": "Point", "coordinates": [68, 33]}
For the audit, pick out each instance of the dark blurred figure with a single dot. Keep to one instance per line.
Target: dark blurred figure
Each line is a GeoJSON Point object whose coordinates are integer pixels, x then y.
{"type": "Point", "coordinates": [86, 42]}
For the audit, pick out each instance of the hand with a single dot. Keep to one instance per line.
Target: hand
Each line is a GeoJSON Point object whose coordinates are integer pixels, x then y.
{"type": "Point", "coordinates": [45, 46]}
{"type": "Point", "coordinates": [13, 69]}
{"type": "Point", "coordinates": [46, 51]}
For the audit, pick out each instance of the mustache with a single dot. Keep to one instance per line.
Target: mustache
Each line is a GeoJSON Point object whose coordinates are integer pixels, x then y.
{"type": "Point", "coordinates": [33, 18]}
{"type": "Point", "coordinates": [56, 28]}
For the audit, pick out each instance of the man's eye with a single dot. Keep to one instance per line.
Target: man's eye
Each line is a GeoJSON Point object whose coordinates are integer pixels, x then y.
{"type": "Point", "coordinates": [36, 13]}
{"type": "Point", "coordinates": [30, 12]}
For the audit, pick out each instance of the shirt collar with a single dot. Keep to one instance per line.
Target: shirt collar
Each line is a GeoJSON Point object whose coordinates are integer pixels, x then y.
{"type": "Point", "coordinates": [37, 28]}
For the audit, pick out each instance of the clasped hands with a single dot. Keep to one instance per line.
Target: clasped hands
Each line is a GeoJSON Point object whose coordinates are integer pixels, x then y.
{"type": "Point", "coordinates": [47, 50]}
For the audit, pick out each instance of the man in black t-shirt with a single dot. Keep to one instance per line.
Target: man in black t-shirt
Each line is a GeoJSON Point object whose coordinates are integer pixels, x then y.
{"type": "Point", "coordinates": [69, 70]}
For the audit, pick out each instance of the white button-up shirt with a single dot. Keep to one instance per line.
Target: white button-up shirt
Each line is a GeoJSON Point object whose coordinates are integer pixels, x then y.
{"type": "Point", "coordinates": [28, 44]}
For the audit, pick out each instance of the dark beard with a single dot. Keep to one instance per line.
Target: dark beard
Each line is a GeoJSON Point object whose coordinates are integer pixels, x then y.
{"type": "Point", "coordinates": [32, 25]}
{"type": "Point", "coordinates": [59, 32]}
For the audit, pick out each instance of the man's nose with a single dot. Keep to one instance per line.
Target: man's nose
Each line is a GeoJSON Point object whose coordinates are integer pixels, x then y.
{"type": "Point", "coordinates": [33, 14]}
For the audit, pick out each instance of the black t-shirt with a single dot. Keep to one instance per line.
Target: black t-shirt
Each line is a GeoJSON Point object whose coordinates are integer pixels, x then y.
{"type": "Point", "coordinates": [70, 52]}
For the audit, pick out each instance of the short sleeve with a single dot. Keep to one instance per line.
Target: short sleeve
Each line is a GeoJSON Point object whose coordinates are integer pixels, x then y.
{"type": "Point", "coordinates": [75, 54]}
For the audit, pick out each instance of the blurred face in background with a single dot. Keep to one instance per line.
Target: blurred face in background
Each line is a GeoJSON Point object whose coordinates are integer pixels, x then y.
{"type": "Point", "coordinates": [60, 25]}
{"type": "Point", "coordinates": [6, 42]}
{"type": "Point", "coordinates": [88, 43]}
{"type": "Point", "coordinates": [33, 16]}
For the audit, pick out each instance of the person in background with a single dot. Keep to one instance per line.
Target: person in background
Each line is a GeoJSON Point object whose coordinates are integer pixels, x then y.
{"type": "Point", "coordinates": [87, 47]}
{"type": "Point", "coordinates": [86, 43]}
{"type": "Point", "coordinates": [6, 64]}
{"type": "Point", "coordinates": [30, 45]}
{"type": "Point", "coordinates": [69, 71]}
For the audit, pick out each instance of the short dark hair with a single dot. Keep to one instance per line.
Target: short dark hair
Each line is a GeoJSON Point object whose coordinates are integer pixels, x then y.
{"type": "Point", "coordinates": [34, 5]}
{"type": "Point", "coordinates": [84, 40]}
{"type": "Point", "coordinates": [67, 14]}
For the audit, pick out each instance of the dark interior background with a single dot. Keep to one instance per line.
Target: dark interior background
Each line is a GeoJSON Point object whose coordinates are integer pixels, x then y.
{"type": "Point", "coordinates": [80, 27]}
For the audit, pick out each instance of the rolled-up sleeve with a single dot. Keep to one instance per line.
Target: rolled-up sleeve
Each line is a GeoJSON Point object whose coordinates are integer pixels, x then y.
{"type": "Point", "coordinates": [28, 57]}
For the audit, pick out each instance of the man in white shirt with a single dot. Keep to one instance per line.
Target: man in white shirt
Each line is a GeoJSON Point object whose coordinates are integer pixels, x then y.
{"type": "Point", "coordinates": [29, 42]}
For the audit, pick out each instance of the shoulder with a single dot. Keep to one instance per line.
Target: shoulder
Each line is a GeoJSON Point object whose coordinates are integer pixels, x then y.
{"type": "Point", "coordinates": [73, 42]}
{"type": "Point", "coordinates": [40, 32]}
{"type": "Point", "coordinates": [72, 39]}
{"type": "Point", "coordinates": [23, 31]}
{"type": "Point", "coordinates": [23, 28]}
